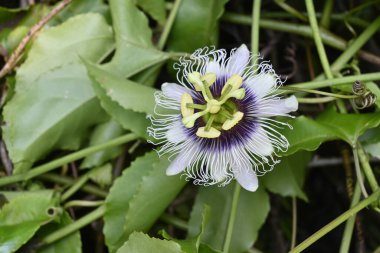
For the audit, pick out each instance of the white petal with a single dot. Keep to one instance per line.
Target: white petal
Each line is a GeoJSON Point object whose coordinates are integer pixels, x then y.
{"type": "Point", "coordinates": [173, 90]}
{"type": "Point", "coordinates": [238, 61]}
{"type": "Point", "coordinates": [247, 179]}
{"type": "Point", "coordinates": [213, 67]}
{"type": "Point", "coordinates": [277, 107]}
{"type": "Point", "coordinates": [176, 133]}
{"type": "Point", "coordinates": [261, 84]}
{"type": "Point", "coordinates": [178, 164]}
{"type": "Point", "coordinates": [260, 143]}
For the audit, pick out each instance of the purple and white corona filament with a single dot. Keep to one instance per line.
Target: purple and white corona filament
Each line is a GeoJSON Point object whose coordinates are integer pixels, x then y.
{"type": "Point", "coordinates": [216, 123]}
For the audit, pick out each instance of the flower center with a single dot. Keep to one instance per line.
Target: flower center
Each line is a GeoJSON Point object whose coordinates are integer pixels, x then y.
{"type": "Point", "coordinates": [218, 113]}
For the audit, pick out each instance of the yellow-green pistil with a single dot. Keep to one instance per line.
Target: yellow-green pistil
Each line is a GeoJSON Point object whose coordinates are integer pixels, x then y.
{"type": "Point", "coordinates": [219, 113]}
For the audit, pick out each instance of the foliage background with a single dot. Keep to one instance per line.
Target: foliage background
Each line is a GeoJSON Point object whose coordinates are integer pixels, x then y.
{"type": "Point", "coordinates": [78, 175]}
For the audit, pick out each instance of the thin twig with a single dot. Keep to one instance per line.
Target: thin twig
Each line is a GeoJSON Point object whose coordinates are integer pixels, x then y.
{"type": "Point", "coordinates": [15, 56]}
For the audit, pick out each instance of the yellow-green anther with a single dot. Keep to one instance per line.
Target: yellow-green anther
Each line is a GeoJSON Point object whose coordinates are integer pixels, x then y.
{"type": "Point", "coordinates": [235, 81]}
{"type": "Point", "coordinates": [189, 121]}
{"type": "Point", "coordinates": [195, 79]}
{"type": "Point", "coordinates": [213, 106]}
{"type": "Point", "coordinates": [209, 78]}
{"type": "Point", "coordinates": [238, 94]}
{"type": "Point", "coordinates": [211, 133]}
{"type": "Point", "coordinates": [230, 123]}
{"type": "Point", "coordinates": [185, 100]}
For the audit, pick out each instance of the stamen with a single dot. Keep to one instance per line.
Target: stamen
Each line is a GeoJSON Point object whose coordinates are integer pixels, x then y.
{"type": "Point", "coordinates": [196, 106]}
{"type": "Point", "coordinates": [195, 79]}
{"type": "Point", "coordinates": [238, 94]}
{"type": "Point", "coordinates": [207, 91]}
{"type": "Point", "coordinates": [226, 90]}
{"type": "Point", "coordinates": [185, 100]}
{"type": "Point", "coordinates": [209, 78]}
{"type": "Point", "coordinates": [211, 133]}
{"type": "Point", "coordinates": [230, 123]}
{"type": "Point", "coordinates": [189, 121]}
{"type": "Point", "coordinates": [235, 81]}
{"type": "Point", "coordinates": [209, 122]}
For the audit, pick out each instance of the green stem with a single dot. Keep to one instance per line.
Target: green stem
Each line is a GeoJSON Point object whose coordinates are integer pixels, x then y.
{"type": "Point", "coordinates": [337, 81]}
{"type": "Point", "coordinates": [326, 14]}
{"type": "Point", "coordinates": [315, 100]}
{"type": "Point", "coordinates": [75, 187]}
{"type": "Point", "coordinates": [231, 220]}
{"type": "Point", "coordinates": [317, 39]}
{"type": "Point", "coordinates": [318, 92]}
{"type": "Point", "coordinates": [292, 11]}
{"type": "Point", "coordinates": [349, 228]}
{"type": "Point", "coordinates": [367, 168]}
{"type": "Point", "coordinates": [176, 222]}
{"type": "Point", "coordinates": [358, 172]}
{"type": "Point", "coordinates": [168, 25]}
{"type": "Point", "coordinates": [66, 159]}
{"type": "Point", "coordinates": [327, 37]}
{"type": "Point", "coordinates": [83, 203]}
{"type": "Point", "coordinates": [255, 30]}
{"type": "Point", "coordinates": [73, 227]}
{"type": "Point", "coordinates": [336, 222]}
{"type": "Point", "coordinates": [69, 181]}
{"type": "Point", "coordinates": [355, 46]}
{"type": "Point", "coordinates": [294, 223]}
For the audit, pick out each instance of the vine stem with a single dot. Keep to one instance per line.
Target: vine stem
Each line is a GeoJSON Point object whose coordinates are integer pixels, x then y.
{"type": "Point", "coordinates": [231, 220]}
{"type": "Point", "coordinates": [255, 30]}
{"type": "Point", "coordinates": [168, 25]}
{"type": "Point", "coordinates": [318, 92]}
{"type": "Point", "coordinates": [317, 39]}
{"type": "Point", "coordinates": [66, 159]}
{"type": "Point", "coordinates": [337, 81]}
{"type": "Point", "coordinates": [336, 222]}
{"type": "Point", "coordinates": [73, 227]}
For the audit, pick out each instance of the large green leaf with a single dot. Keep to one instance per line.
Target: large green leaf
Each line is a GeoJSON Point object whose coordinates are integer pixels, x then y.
{"type": "Point", "coordinates": [54, 103]}
{"type": "Point", "coordinates": [138, 198]}
{"type": "Point", "coordinates": [71, 243]}
{"type": "Point", "coordinates": [141, 243]}
{"type": "Point", "coordinates": [103, 133]}
{"type": "Point", "coordinates": [128, 102]}
{"type": "Point", "coordinates": [196, 19]}
{"type": "Point", "coordinates": [348, 127]}
{"type": "Point", "coordinates": [287, 177]}
{"type": "Point", "coordinates": [252, 210]}
{"type": "Point", "coordinates": [134, 48]}
{"type": "Point", "coordinates": [306, 134]}
{"type": "Point", "coordinates": [23, 215]}
{"type": "Point", "coordinates": [155, 8]}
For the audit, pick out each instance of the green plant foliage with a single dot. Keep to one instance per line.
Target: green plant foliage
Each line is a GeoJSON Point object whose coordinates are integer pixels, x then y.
{"type": "Point", "coordinates": [60, 84]}
{"type": "Point", "coordinates": [138, 206]}
{"type": "Point", "coordinates": [196, 18]}
{"type": "Point", "coordinates": [102, 175]}
{"type": "Point", "coordinates": [156, 9]}
{"type": "Point", "coordinates": [23, 215]}
{"type": "Point", "coordinates": [71, 243]}
{"type": "Point", "coordinates": [133, 40]}
{"type": "Point", "coordinates": [247, 223]}
{"type": "Point", "coordinates": [288, 176]}
{"type": "Point", "coordinates": [103, 133]}
{"type": "Point", "coordinates": [142, 243]}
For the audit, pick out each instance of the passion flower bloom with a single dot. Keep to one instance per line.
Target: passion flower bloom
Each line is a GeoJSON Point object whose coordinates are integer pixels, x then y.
{"type": "Point", "coordinates": [215, 123]}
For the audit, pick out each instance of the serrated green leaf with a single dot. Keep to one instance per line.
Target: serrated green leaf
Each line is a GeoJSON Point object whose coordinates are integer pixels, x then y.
{"type": "Point", "coordinates": [196, 18]}
{"type": "Point", "coordinates": [54, 103]}
{"type": "Point", "coordinates": [126, 101]}
{"type": "Point", "coordinates": [252, 210]}
{"type": "Point", "coordinates": [134, 48]}
{"type": "Point", "coordinates": [103, 133]}
{"type": "Point", "coordinates": [287, 177]}
{"type": "Point", "coordinates": [141, 243]}
{"type": "Point", "coordinates": [138, 198]}
{"type": "Point", "coordinates": [155, 8]}
{"type": "Point", "coordinates": [71, 243]}
{"type": "Point", "coordinates": [23, 215]}
{"type": "Point", "coordinates": [102, 175]}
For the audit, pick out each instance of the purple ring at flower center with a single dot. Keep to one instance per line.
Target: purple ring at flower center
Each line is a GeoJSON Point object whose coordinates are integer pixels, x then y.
{"type": "Point", "coordinates": [238, 134]}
